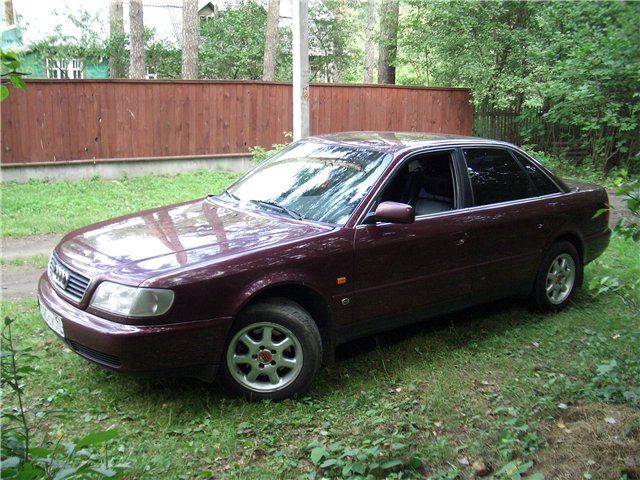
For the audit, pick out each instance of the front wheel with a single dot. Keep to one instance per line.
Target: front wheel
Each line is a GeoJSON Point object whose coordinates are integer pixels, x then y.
{"type": "Point", "coordinates": [274, 352]}
{"type": "Point", "coordinates": [559, 276]}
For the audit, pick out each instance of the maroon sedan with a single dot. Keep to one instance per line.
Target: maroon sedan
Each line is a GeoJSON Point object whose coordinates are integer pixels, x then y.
{"type": "Point", "coordinates": [335, 237]}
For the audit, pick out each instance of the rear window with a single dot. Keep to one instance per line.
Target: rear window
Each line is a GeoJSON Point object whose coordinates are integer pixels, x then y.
{"type": "Point", "coordinates": [542, 183]}
{"type": "Point", "coordinates": [496, 176]}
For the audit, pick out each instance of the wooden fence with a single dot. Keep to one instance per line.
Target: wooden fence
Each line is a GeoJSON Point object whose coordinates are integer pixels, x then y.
{"type": "Point", "coordinates": [63, 120]}
{"type": "Point", "coordinates": [528, 127]}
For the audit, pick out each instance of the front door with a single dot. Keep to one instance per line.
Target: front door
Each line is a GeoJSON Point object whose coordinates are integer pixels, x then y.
{"type": "Point", "coordinates": [402, 269]}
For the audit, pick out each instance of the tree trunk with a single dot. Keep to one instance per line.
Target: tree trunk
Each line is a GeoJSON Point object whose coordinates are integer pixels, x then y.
{"type": "Point", "coordinates": [390, 11]}
{"type": "Point", "coordinates": [136, 40]}
{"type": "Point", "coordinates": [190, 37]}
{"type": "Point", "coordinates": [369, 49]}
{"type": "Point", "coordinates": [116, 39]}
{"type": "Point", "coordinates": [338, 42]}
{"type": "Point", "coordinates": [271, 41]}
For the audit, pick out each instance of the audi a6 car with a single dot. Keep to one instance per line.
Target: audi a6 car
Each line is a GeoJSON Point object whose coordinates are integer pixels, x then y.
{"type": "Point", "coordinates": [335, 237]}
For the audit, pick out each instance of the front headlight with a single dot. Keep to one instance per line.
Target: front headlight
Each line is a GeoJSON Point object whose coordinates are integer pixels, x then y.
{"type": "Point", "coordinates": [132, 301]}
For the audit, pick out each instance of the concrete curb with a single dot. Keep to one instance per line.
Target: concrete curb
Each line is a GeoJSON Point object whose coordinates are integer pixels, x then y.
{"type": "Point", "coordinates": [118, 168]}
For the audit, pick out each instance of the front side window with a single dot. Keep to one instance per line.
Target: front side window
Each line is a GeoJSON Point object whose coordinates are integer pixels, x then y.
{"type": "Point", "coordinates": [425, 182]}
{"type": "Point", "coordinates": [496, 176]}
{"type": "Point", "coordinates": [542, 184]}
{"type": "Point", "coordinates": [315, 181]}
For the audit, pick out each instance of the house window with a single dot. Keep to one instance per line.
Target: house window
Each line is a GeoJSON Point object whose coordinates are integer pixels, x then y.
{"type": "Point", "coordinates": [64, 68]}
{"type": "Point", "coordinates": [76, 69]}
{"type": "Point", "coordinates": [55, 68]}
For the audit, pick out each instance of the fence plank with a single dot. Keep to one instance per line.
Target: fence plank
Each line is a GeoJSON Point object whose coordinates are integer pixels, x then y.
{"type": "Point", "coordinates": [62, 120]}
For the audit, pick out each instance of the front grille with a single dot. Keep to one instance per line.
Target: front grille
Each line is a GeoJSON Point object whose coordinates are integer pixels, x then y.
{"type": "Point", "coordinates": [76, 285]}
{"type": "Point", "coordinates": [94, 355]}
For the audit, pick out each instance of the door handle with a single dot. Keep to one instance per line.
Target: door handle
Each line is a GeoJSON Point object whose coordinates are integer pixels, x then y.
{"type": "Point", "coordinates": [460, 238]}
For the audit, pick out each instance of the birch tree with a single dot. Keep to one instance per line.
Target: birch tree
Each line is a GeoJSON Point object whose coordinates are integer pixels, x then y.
{"type": "Point", "coordinates": [369, 49]}
{"type": "Point", "coordinates": [271, 41]}
{"type": "Point", "coordinates": [136, 36]}
{"type": "Point", "coordinates": [116, 40]}
{"type": "Point", "coordinates": [190, 37]}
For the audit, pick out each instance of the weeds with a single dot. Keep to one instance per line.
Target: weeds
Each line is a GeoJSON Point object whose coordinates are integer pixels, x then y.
{"type": "Point", "coordinates": [25, 455]}
{"type": "Point", "coordinates": [260, 153]}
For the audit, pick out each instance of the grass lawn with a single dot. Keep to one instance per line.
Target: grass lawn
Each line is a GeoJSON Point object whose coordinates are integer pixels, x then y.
{"type": "Point", "coordinates": [490, 385]}
{"type": "Point", "coordinates": [37, 261]}
{"type": "Point", "coordinates": [59, 207]}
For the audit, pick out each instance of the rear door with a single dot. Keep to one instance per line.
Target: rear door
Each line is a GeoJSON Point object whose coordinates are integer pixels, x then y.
{"type": "Point", "coordinates": [513, 204]}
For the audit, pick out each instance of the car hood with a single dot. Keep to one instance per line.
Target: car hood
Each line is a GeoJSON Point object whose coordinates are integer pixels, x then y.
{"type": "Point", "coordinates": [178, 236]}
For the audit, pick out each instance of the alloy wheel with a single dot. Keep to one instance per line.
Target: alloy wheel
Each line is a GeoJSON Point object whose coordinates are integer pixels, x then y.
{"type": "Point", "coordinates": [561, 278]}
{"type": "Point", "coordinates": [264, 357]}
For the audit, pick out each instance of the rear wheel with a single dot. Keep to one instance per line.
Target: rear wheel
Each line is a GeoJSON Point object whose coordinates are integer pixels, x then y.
{"type": "Point", "coordinates": [559, 276]}
{"type": "Point", "coordinates": [274, 351]}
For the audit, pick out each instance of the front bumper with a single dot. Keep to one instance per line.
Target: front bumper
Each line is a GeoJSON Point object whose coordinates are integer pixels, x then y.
{"type": "Point", "coordinates": [188, 349]}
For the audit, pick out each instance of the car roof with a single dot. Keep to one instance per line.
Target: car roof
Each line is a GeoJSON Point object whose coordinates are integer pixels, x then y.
{"type": "Point", "coordinates": [394, 141]}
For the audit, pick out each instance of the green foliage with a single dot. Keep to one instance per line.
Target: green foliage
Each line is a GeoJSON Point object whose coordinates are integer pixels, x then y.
{"type": "Point", "coordinates": [162, 57]}
{"type": "Point", "coordinates": [591, 75]}
{"type": "Point", "coordinates": [377, 457]}
{"type": "Point", "coordinates": [335, 54]}
{"type": "Point", "coordinates": [575, 60]}
{"type": "Point", "coordinates": [9, 68]}
{"type": "Point", "coordinates": [472, 44]}
{"type": "Point", "coordinates": [615, 381]}
{"type": "Point", "coordinates": [260, 153]}
{"type": "Point", "coordinates": [561, 166]}
{"type": "Point", "coordinates": [514, 470]}
{"type": "Point", "coordinates": [232, 45]}
{"type": "Point", "coordinates": [25, 455]}
{"type": "Point", "coordinates": [627, 186]}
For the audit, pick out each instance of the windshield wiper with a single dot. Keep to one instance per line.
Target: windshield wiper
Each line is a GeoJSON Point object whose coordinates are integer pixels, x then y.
{"type": "Point", "coordinates": [235, 197]}
{"type": "Point", "coordinates": [279, 206]}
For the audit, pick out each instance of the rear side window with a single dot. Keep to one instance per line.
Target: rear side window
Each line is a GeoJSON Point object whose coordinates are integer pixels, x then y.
{"type": "Point", "coordinates": [542, 184]}
{"type": "Point", "coordinates": [496, 176]}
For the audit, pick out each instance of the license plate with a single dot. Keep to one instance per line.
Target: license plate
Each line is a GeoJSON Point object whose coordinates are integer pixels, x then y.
{"type": "Point", "coordinates": [51, 319]}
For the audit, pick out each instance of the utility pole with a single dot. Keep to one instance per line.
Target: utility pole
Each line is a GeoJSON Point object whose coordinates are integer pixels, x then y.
{"type": "Point", "coordinates": [300, 69]}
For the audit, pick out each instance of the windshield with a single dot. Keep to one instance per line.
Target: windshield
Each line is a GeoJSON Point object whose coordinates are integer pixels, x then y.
{"type": "Point", "coordinates": [314, 181]}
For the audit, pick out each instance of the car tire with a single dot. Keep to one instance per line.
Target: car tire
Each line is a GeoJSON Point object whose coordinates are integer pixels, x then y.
{"type": "Point", "coordinates": [273, 352]}
{"type": "Point", "coordinates": [558, 278]}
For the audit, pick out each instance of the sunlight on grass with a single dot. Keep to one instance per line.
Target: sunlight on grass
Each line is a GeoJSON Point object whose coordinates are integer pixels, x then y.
{"type": "Point", "coordinates": [58, 207]}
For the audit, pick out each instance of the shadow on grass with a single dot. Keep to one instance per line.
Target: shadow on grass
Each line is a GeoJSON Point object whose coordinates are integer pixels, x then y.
{"type": "Point", "coordinates": [478, 316]}
{"type": "Point", "coordinates": [471, 325]}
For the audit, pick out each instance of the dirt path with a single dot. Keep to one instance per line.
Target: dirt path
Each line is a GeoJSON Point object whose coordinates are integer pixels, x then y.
{"type": "Point", "coordinates": [22, 247]}
{"type": "Point", "coordinates": [21, 282]}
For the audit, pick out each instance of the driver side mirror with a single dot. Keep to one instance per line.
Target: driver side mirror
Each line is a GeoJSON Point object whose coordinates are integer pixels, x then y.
{"type": "Point", "coordinates": [394, 212]}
